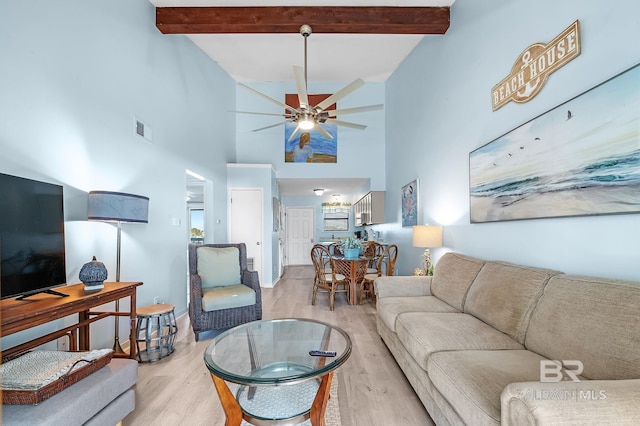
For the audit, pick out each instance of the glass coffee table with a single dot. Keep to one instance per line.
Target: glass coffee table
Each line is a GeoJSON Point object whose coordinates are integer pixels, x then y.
{"type": "Point", "coordinates": [280, 382]}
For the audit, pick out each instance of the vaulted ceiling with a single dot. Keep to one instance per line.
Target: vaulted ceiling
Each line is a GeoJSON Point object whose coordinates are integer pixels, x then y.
{"type": "Point", "coordinates": [260, 40]}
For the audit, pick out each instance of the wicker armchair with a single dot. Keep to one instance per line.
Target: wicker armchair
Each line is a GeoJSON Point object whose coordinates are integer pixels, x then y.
{"type": "Point", "coordinates": [202, 320]}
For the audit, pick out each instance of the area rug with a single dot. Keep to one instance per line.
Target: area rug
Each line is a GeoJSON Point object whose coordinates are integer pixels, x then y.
{"type": "Point", "coordinates": [332, 414]}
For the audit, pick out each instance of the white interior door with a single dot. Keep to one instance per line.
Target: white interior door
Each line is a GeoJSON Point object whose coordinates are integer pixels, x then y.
{"type": "Point", "coordinates": [300, 235]}
{"type": "Point", "coordinates": [246, 223]}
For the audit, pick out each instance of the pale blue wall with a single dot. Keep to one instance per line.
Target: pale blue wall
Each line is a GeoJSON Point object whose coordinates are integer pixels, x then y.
{"type": "Point", "coordinates": [360, 152]}
{"type": "Point", "coordinates": [438, 106]}
{"type": "Point", "coordinates": [73, 75]}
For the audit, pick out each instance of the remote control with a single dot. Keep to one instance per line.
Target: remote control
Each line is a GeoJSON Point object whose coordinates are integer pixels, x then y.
{"type": "Point", "coordinates": [322, 353]}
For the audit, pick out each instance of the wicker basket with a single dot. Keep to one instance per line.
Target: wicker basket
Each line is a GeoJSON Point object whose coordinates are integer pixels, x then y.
{"type": "Point", "coordinates": [36, 396]}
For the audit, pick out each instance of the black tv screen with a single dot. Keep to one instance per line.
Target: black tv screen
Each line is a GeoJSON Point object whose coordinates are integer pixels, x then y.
{"type": "Point", "coordinates": [31, 236]}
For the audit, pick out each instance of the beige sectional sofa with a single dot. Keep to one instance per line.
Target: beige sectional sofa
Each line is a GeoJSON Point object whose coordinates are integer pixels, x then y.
{"type": "Point", "coordinates": [476, 340]}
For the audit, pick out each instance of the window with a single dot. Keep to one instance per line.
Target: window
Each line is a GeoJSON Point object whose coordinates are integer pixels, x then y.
{"type": "Point", "coordinates": [196, 222]}
{"type": "Point", "coordinates": [336, 221]}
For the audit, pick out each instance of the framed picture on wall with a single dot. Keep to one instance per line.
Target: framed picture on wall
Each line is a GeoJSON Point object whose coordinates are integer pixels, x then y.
{"type": "Point", "coordinates": [580, 158]}
{"type": "Point", "coordinates": [410, 204]}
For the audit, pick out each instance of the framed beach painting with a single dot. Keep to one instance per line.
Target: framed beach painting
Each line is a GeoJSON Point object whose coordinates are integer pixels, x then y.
{"type": "Point", "coordinates": [310, 146]}
{"type": "Point", "coordinates": [410, 204]}
{"type": "Point", "coordinates": [580, 158]}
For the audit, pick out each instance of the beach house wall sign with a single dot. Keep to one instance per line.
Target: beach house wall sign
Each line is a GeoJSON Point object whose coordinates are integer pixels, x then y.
{"type": "Point", "coordinates": [534, 65]}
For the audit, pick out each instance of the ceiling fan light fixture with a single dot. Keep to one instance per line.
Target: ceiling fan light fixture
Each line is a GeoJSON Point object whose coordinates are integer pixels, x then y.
{"type": "Point", "coordinates": [318, 191]}
{"type": "Point", "coordinates": [306, 122]}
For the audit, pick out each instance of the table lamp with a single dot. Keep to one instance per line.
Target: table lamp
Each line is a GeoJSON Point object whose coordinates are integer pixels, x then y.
{"type": "Point", "coordinates": [121, 208]}
{"type": "Point", "coordinates": [428, 237]}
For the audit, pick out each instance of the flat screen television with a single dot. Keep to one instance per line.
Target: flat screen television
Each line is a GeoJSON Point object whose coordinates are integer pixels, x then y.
{"type": "Point", "coordinates": [32, 255]}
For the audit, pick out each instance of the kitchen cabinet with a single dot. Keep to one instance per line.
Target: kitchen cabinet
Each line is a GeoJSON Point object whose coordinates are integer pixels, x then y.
{"type": "Point", "coordinates": [369, 210]}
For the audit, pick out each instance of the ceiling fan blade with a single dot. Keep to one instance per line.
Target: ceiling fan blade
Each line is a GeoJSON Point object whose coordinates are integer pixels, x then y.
{"type": "Point", "coordinates": [269, 98]}
{"type": "Point", "coordinates": [343, 111]}
{"type": "Point", "coordinates": [263, 113]}
{"type": "Point", "coordinates": [301, 84]}
{"type": "Point", "coordinates": [345, 124]}
{"type": "Point", "coordinates": [293, 135]}
{"type": "Point", "coordinates": [268, 127]}
{"type": "Point", "coordinates": [322, 131]}
{"type": "Point", "coordinates": [355, 84]}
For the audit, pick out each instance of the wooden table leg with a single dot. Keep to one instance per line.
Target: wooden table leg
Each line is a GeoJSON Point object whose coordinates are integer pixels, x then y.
{"type": "Point", "coordinates": [352, 282]}
{"type": "Point", "coordinates": [84, 333]}
{"type": "Point", "coordinates": [133, 334]}
{"type": "Point", "coordinates": [320, 402]}
{"type": "Point", "coordinates": [229, 403]}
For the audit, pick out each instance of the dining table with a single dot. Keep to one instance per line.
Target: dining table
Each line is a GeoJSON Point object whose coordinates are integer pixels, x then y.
{"type": "Point", "coordinates": [354, 270]}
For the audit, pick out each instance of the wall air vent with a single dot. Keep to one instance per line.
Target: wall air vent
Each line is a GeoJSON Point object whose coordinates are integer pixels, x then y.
{"type": "Point", "coordinates": [143, 130]}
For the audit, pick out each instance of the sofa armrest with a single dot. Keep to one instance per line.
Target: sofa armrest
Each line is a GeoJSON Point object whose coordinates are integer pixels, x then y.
{"type": "Point", "coordinates": [590, 402]}
{"type": "Point", "coordinates": [403, 286]}
{"type": "Point", "coordinates": [250, 279]}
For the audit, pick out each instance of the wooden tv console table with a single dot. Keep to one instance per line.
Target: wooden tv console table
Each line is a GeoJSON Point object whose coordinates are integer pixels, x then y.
{"type": "Point", "coordinates": [38, 309]}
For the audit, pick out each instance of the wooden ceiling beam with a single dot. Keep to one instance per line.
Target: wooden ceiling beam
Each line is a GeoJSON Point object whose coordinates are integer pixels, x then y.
{"type": "Point", "coordinates": [288, 19]}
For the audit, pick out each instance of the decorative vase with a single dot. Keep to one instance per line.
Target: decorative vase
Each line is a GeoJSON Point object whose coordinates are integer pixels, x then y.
{"type": "Point", "coordinates": [351, 253]}
{"type": "Point", "coordinates": [93, 274]}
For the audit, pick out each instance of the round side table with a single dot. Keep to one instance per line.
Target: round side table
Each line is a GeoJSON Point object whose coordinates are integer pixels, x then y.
{"type": "Point", "coordinates": [156, 332]}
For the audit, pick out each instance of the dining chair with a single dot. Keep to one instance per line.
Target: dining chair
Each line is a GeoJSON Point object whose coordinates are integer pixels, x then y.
{"type": "Point", "coordinates": [385, 266]}
{"type": "Point", "coordinates": [326, 278]}
{"type": "Point", "coordinates": [372, 250]}
{"type": "Point", "coordinates": [335, 249]}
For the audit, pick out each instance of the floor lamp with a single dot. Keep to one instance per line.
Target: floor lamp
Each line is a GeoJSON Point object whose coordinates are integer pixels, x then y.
{"type": "Point", "coordinates": [428, 237]}
{"type": "Point", "coordinates": [121, 208]}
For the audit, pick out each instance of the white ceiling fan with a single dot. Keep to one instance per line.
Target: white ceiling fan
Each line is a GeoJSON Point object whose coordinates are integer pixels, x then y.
{"type": "Point", "coordinates": [309, 117]}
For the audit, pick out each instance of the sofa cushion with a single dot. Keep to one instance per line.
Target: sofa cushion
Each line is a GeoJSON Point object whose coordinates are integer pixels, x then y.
{"type": "Point", "coordinates": [453, 276]}
{"type": "Point", "coordinates": [218, 266]}
{"type": "Point", "coordinates": [472, 381]}
{"type": "Point", "coordinates": [593, 320]}
{"type": "Point", "coordinates": [504, 295]}
{"type": "Point", "coordinates": [390, 307]}
{"type": "Point", "coordinates": [226, 297]}
{"type": "Point", "coordinates": [423, 333]}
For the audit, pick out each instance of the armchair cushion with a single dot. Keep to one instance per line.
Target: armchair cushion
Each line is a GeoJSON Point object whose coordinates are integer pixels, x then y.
{"type": "Point", "coordinates": [225, 297]}
{"type": "Point", "coordinates": [218, 266]}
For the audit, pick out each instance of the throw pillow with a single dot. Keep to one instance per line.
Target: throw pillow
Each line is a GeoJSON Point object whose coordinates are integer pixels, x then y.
{"type": "Point", "coordinates": [218, 266]}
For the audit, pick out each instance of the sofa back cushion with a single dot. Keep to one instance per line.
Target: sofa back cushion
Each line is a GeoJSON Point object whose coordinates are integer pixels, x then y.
{"type": "Point", "coordinates": [503, 295]}
{"type": "Point", "coordinates": [452, 277]}
{"type": "Point", "coordinates": [218, 266]}
{"type": "Point", "coordinates": [592, 320]}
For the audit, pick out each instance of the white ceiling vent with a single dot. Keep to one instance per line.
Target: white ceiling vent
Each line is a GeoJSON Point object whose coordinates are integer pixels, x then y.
{"type": "Point", "coordinates": [143, 130]}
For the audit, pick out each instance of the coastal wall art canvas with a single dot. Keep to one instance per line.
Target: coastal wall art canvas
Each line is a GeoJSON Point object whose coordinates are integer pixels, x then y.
{"type": "Point", "coordinates": [580, 158]}
{"type": "Point", "coordinates": [310, 146]}
{"type": "Point", "coordinates": [410, 204]}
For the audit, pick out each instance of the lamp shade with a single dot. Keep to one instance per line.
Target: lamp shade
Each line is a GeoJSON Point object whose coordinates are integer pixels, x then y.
{"type": "Point", "coordinates": [427, 236]}
{"type": "Point", "coordinates": [118, 207]}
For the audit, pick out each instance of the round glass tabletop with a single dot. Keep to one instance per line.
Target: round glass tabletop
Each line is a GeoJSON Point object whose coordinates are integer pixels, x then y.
{"type": "Point", "coordinates": [273, 352]}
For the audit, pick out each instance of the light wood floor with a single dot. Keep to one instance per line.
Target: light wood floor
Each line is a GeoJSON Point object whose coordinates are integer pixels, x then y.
{"type": "Point", "coordinates": [178, 390]}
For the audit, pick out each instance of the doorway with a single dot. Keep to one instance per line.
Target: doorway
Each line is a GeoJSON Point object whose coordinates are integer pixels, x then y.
{"type": "Point", "coordinates": [300, 235]}
{"type": "Point", "coordinates": [196, 214]}
{"type": "Point", "coordinates": [246, 224]}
